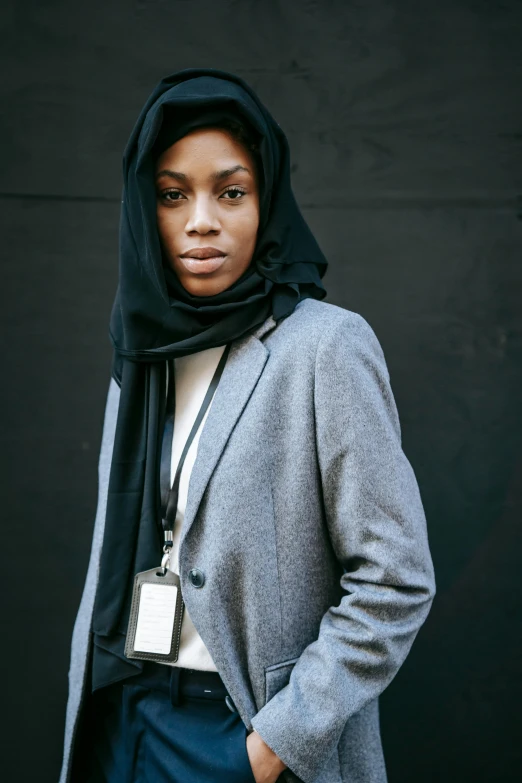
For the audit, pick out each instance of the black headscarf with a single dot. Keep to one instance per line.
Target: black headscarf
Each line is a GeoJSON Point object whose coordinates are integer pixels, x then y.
{"type": "Point", "coordinates": [154, 318]}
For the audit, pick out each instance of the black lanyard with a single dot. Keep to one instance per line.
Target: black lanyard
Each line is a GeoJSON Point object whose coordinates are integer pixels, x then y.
{"type": "Point", "coordinates": [169, 494]}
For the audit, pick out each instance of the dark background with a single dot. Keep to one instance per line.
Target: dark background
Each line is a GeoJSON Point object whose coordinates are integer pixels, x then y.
{"type": "Point", "coordinates": [405, 125]}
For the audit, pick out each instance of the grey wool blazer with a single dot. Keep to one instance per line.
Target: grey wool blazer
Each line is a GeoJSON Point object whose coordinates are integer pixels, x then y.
{"type": "Point", "coordinates": [305, 516]}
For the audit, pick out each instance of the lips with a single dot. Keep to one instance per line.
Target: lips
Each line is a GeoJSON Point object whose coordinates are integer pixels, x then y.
{"type": "Point", "coordinates": [203, 260]}
{"type": "Point", "coordinates": [203, 252]}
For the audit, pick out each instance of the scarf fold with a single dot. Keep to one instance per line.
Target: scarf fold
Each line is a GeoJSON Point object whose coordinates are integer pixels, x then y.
{"type": "Point", "coordinates": [154, 319]}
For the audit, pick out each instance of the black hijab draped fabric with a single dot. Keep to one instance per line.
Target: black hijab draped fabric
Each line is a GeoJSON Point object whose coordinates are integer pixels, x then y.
{"type": "Point", "coordinates": [155, 319]}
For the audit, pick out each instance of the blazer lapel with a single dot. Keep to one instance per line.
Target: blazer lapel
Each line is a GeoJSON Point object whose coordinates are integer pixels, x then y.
{"type": "Point", "coordinates": [245, 363]}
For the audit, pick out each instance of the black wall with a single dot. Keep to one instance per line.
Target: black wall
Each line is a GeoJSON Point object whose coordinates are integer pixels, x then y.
{"type": "Point", "coordinates": [405, 125]}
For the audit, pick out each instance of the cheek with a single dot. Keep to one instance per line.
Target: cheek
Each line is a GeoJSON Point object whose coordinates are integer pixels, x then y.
{"type": "Point", "coordinates": [167, 225]}
{"type": "Point", "coordinates": [246, 225]}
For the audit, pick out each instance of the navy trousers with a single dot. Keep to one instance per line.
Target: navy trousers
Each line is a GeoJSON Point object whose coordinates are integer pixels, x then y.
{"type": "Point", "coordinates": [167, 725]}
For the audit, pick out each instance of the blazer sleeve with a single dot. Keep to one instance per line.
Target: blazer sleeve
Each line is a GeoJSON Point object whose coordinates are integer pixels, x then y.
{"type": "Point", "coordinates": [377, 526]}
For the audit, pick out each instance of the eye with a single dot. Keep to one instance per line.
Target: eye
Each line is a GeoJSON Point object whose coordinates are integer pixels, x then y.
{"type": "Point", "coordinates": [239, 191]}
{"type": "Point", "coordinates": [167, 193]}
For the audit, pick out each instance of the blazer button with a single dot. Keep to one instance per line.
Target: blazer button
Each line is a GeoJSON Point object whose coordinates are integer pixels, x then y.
{"type": "Point", "coordinates": [197, 577]}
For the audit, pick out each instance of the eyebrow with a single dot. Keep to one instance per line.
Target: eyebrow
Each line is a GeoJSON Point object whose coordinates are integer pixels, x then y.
{"type": "Point", "coordinates": [216, 177]}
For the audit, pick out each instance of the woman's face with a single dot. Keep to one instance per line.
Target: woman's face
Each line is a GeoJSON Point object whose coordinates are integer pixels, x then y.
{"type": "Point", "coordinates": [207, 206]}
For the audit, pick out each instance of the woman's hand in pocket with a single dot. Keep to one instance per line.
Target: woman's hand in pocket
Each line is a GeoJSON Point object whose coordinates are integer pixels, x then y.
{"type": "Point", "coordinates": [266, 765]}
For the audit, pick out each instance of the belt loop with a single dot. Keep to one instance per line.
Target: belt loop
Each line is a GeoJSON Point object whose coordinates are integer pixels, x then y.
{"type": "Point", "coordinates": [174, 686]}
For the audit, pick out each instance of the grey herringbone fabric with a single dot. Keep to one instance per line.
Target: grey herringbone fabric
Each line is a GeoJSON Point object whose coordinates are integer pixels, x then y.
{"type": "Point", "coordinates": [305, 516]}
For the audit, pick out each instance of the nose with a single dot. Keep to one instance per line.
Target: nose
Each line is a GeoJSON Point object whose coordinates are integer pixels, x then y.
{"type": "Point", "coordinates": [203, 216]}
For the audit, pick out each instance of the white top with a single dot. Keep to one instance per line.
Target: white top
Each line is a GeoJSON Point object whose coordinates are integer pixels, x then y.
{"type": "Point", "coordinates": [193, 375]}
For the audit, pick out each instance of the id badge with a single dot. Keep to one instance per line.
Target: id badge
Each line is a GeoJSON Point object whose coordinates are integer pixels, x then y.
{"type": "Point", "coordinates": [154, 629]}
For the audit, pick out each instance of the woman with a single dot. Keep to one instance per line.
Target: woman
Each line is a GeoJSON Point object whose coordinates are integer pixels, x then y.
{"type": "Point", "coordinates": [251, 444]}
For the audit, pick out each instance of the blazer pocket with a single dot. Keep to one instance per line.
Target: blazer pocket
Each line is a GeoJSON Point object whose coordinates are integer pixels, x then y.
{"type": "Point", "coordinates": [277, 676]}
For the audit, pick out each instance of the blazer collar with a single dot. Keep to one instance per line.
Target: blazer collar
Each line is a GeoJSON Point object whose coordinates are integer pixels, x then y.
{"type": "Point", "coordinates": [245, 364]}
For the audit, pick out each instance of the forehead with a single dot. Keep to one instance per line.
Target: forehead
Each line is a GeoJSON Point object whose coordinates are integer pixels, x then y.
{"type": "Point", "coordinates": [205, 146]}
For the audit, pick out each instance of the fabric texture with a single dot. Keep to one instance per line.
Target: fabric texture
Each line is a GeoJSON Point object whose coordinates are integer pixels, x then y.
{"type": "Point", "coordinates": [318, 573]}
{"type": "Point", "coordinates": [154, 319]}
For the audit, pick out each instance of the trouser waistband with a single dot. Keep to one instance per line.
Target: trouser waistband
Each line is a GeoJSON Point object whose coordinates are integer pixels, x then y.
{"type": "Point", "coordinates": [181, 682]}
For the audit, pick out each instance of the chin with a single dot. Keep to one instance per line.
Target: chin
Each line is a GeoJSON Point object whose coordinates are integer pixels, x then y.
{"type": "Point", "coordinates": [208, 287]}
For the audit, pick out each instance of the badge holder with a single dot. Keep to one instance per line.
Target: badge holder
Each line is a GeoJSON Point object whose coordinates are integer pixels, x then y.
{"type": "Point", "coordinates": [156, 613]}
{"type": "Point", "coordinates": [157, 605]}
